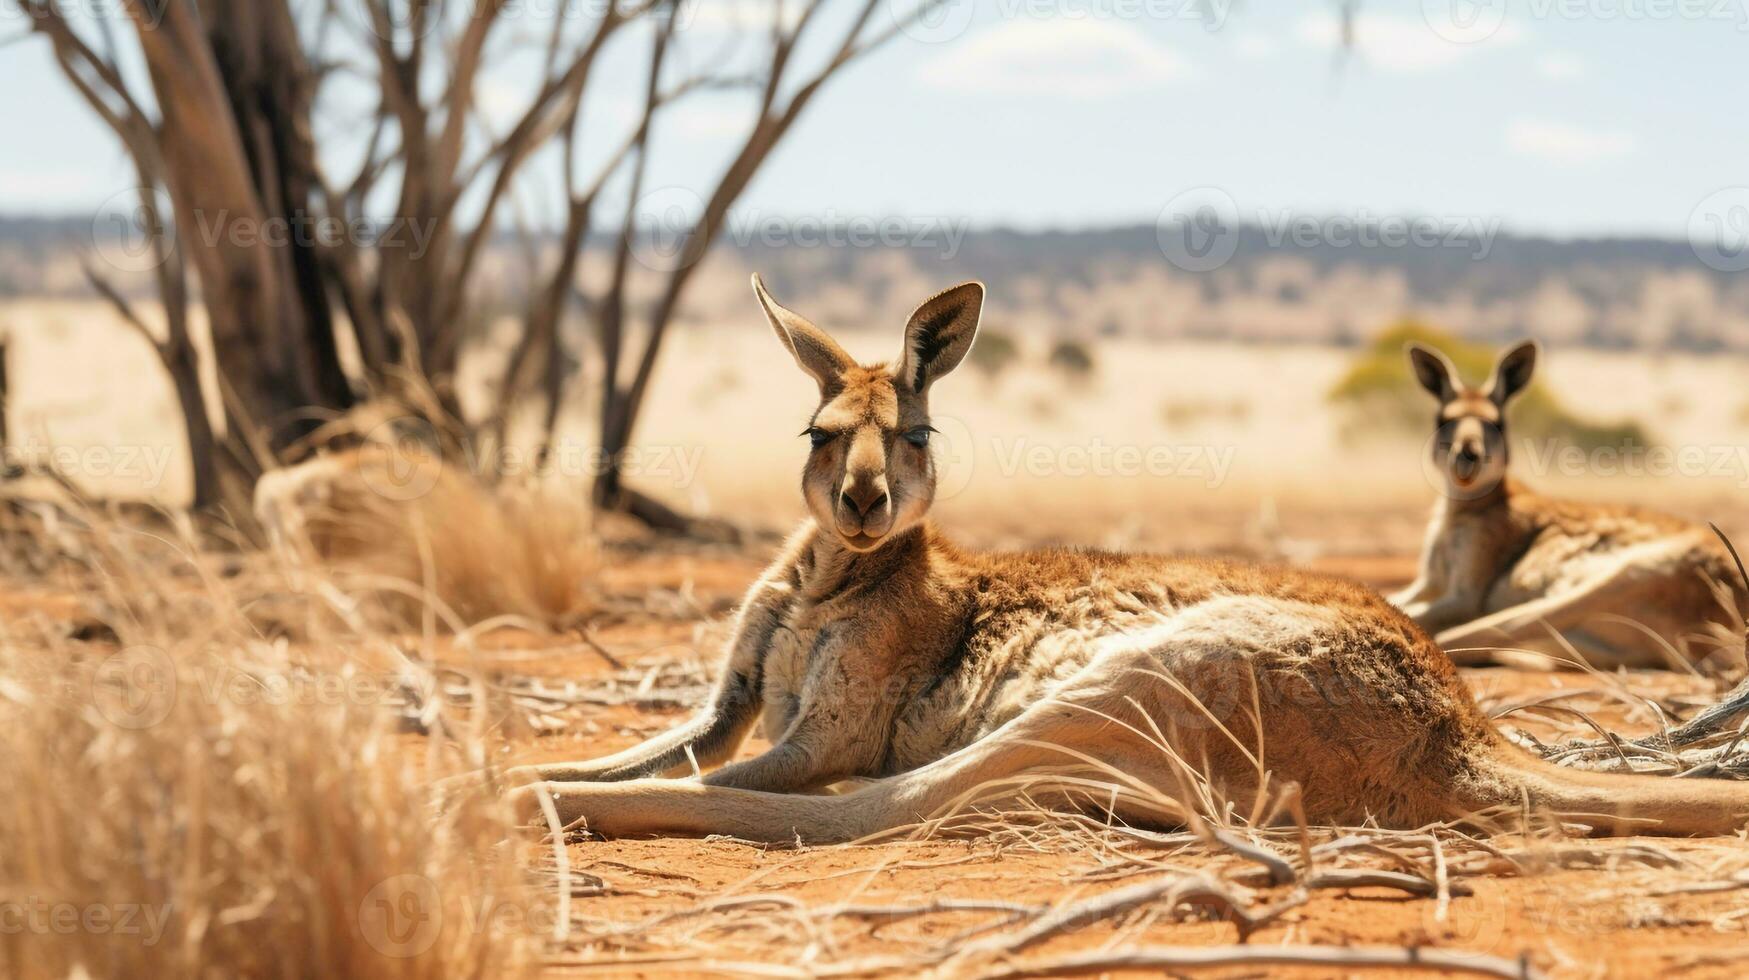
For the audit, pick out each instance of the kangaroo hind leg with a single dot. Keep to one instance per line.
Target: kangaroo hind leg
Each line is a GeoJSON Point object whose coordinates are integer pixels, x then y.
{"type": "Point", "coordinates": [1088, 733]}
{"type": "Point", "coordinates": [1587, 620]}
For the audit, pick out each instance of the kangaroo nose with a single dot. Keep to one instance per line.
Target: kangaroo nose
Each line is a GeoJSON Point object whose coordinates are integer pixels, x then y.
{"type": "Point", "coordinates": [864, 497]}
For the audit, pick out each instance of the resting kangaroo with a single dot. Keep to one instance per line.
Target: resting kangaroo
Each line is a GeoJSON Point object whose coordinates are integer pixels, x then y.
{"type": "Point", "coordinates": [1503, 565]}
{"type": "Point", "coordinates": [876, 649]}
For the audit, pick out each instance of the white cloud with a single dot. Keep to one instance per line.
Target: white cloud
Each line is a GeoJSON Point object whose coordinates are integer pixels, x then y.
{"type": "Point", "coordinates": [1399, 44]}
{"type": "Point", "coordinates": [712, 120]}
{"type": "Point", "coordinates": [1560, 66]}
{"type": "Point", "coordinates": [714, 16]}
{"type": "Point", "coordinates": [503, 101]}
{"type": "Point", "coordinates": [1559, 142]}
{"type": "Point", "coordinates": [1054, 57]}
{"type": "Point", "coordinates": [1255, 47]}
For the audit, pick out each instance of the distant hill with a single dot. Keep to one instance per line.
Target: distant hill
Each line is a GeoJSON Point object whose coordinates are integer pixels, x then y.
{"type": "Point", "coordinates": [1618, 293]}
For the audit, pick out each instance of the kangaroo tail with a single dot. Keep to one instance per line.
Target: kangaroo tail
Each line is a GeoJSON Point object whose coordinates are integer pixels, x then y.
{"type": "Point", "coordinates": [1614, 804]}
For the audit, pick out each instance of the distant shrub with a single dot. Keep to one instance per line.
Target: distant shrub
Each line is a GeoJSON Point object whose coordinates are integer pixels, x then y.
{"type": "Point", "coordinates": [1073, 358]}
{"type": "Point", "coordinates": [1383, 395]}
{"type": "Point", "coordinates": [1185, 413]}
{"type": "Point", "coordinates": [994, 353]}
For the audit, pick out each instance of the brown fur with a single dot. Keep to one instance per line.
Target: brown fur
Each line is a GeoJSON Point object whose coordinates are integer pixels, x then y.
{"type": "Point", "coordinates": [1505, 567]}
{"type": "Point", "coordinates": [944, 674]}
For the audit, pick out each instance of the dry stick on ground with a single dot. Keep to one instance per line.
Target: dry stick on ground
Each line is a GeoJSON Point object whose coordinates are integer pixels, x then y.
{"type": "Point", "coordinates": [1418, 851]}
{"type": "Point", "coordinates": [1705, 746]}
{"type": "Point", "coordinates": [1168, 957]}
{"type": "Point", "coordinates": [1172, 892]}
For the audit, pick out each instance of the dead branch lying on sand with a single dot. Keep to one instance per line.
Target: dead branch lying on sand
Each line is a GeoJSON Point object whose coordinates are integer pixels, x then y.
{"type": "Point", "coordinates": [1015, 927]}
{"type": "Point", "coordinates": [1712, 745]}
{"type": "Point", "coordinates": [1169, 957]}
{"type": "Point", "coordinates": [1269, 872]}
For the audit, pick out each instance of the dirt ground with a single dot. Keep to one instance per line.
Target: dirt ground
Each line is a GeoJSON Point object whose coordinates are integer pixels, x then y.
{"type": "Point", "coordinates": [1634, 907]}
{"type": "Point", "coordinates": [707, 906]}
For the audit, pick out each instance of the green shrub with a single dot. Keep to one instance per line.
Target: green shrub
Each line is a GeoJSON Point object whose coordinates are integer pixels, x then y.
{"type": "Point", "coordinates": [1382, 395]}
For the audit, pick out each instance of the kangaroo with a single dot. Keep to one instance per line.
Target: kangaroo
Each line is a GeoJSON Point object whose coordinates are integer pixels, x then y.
{"type": "Point", "coordinates": [875, 649]}
{"type": "Point", "coordinates": [1503, 566]}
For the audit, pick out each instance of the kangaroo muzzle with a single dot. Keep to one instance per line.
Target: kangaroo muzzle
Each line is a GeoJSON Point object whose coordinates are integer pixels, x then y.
{"type": "Point", "coordinates": [864, 507]}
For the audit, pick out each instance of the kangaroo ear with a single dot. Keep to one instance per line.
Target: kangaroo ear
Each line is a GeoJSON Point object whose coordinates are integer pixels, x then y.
{"type": "Point", "coordinates": [1513, 372]}
{"type": "Point", "coordinates": [939, 335]}
{"type": "Point", "coordinates": [1435, 371]}
{"type": "Point", "coordinates": [816, 353]}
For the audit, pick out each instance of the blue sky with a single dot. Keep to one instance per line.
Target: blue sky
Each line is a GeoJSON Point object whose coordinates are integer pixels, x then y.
{"type": "Point", "coordinates": [1562, 117]}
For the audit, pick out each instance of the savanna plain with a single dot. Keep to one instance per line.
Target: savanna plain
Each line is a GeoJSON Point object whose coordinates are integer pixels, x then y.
{"type": "Point", "coordinates": [221, 755]}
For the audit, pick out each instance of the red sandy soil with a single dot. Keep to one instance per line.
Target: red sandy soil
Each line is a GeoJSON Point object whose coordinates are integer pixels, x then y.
{"type": "Point", "coordinates": [1617, 919]}
{"type": "Point", "coordinates": [1608, 921]}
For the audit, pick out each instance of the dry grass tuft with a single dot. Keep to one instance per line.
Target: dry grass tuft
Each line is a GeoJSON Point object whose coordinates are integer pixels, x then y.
{"type": "Point", "coordinates": [479, 552]}
{"type": "Point", "coordinates": [186, 799]}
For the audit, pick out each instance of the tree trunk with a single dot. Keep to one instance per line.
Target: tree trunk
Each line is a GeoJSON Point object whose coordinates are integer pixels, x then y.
{"type": "Point", "coordinates": [273, 339]}
{"type": "Point", "coordinates": [203, 444]}
{"type": "Point", "coordinates": [270, 88]}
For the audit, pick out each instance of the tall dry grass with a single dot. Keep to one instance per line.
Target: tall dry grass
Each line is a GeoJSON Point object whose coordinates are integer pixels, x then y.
{"type": "Point", "coordinates": [399, 515]}
{"type": "Point", "coordinates": [185, 798]}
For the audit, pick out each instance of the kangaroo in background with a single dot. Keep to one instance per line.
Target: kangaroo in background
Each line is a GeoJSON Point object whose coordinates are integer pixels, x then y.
{"type": "Point", "coordinates": [1503, 565]}
{"type": "Point", "coordinates": [874, 648]}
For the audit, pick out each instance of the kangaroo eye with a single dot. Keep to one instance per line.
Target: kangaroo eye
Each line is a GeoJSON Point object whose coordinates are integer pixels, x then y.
{"type": "Point", "coordinates": [919, 436]}
{"type": "Point", "coordinates": [819, 437]}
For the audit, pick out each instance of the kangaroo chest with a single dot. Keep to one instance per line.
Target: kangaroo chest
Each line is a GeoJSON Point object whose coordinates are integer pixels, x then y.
{"type": "Point", "coordinates": [830, 660]}
{"type": "Point", "coordinates": [917, 688]}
